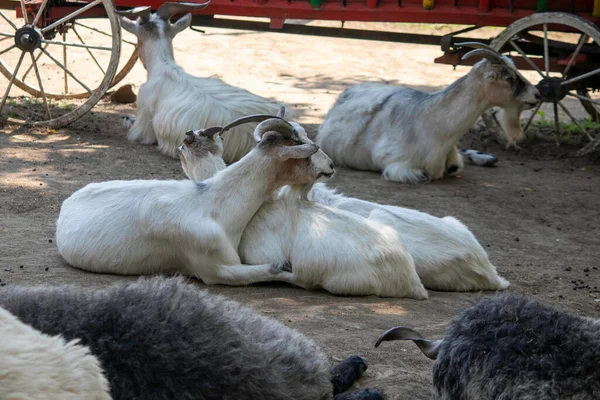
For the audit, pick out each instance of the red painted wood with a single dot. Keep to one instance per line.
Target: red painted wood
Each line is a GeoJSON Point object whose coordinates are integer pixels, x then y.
{"type": "Point", "coordinates": [484, 6]}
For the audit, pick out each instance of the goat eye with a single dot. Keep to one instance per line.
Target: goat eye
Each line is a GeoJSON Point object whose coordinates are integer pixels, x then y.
{"type": "Point", "coordinates": [510, 80]}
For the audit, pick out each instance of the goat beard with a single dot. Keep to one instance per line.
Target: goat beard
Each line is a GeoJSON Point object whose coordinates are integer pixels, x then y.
{"type": "Point", "coordinates": [510, 121]}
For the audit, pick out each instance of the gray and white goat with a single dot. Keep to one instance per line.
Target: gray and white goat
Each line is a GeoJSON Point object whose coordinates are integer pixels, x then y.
{"type": "Point", "coordinates": [163, 338]}
{"type": "Point", "coordinates": [172, 101]}
{"type": "Point", "coordinates": [446, 254]}
{"type": "Point", "coordinates": [411, 136]}
{"type": "Point", "coordinates": [510, 347]}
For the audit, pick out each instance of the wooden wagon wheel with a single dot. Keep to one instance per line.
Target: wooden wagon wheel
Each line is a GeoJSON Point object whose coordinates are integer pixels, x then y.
{"type": "Point", "coordinates": [565, 68]}
{"type": "Point", "coordinates": [44, 62]}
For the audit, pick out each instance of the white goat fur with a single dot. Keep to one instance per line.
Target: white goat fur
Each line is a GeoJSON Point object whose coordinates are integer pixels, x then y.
{"type": "Point", "coordinates": [172, 101]}
{"type": "Point", "coordinates": [446, 254]}
{"type": "Point", "coordinates": [35, 366]}
{"type": "Point", "coordinates": [411, 136]}
{"type": "Point", "coordinates": [150, 226]}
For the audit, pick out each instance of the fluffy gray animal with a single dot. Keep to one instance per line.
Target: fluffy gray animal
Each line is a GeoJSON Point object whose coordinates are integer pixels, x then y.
{"type": "Point", "coordinates": [160, 338]}
{"type": "Point", "coordinates": [510, 347]}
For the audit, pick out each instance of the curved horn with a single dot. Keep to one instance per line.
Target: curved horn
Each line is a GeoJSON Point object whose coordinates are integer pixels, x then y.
{"type": "Point", "coordinates": [475, 45]}
{"type": "Point", "coordinates": [492, 56]}
{"type": "Point", "coordinates": [274, 124]}
{"type": "Point", "coordinates": [168, 9]}
{"type": "Point", "coordinates": [430, 348]}
{"type": "Point", "coordinates": [210, 132]}
{"type": "Point", "coordinates": [142, 12]}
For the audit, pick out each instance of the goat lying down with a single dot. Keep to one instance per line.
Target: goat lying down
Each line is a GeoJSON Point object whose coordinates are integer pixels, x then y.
{"type": "Point", "coordinates": [328, 248]}
{"type": "Point", "coordinates": [161, 338]}
{"type": "Point", "coordinates": [172, 101]}
{"type": "Point", "coordinates": [411, 136]}
{"type": "Point", "coordinates": [446, 254]}
{"type": "Point", "coordinates": [36, 366]}
{"type": "Point", "coordinates": [145, 227]}
{"type": "Point", "coordinates": [509, 347]}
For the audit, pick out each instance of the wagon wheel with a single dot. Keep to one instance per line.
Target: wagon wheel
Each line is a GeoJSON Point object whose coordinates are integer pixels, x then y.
{"type": "Point", "coordinates": [39, 56]}
{"type": "Point", "coordinates": [564, 50]}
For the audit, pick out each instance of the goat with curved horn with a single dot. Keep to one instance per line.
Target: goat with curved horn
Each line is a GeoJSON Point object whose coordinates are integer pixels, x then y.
{"type": "Point", "coordinates": [169, 9]}
{"type": "Point", "coordinates": [141, 12]}
{"type": "Point", "coordinates": [430, 348]}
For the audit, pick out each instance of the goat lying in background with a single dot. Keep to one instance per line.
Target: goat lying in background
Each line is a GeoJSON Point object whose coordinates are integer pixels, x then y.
{"type": "Point", "coordinates": [36, 366]}
{"type": "Point", "coordinates": [446, 254]}
{"type": "Point", "coordinates": [161, 338]}
{"type": "Point", "coordinates": [144, 227]}
{"type": "Point", "coordinates": [411, 136]}
{"type": "Point", "coordinates": [509, 347]}
{"type": "Point", "coordinates": [172, 101]}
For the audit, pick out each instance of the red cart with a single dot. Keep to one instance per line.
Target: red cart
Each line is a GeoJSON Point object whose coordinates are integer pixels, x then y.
{"type": "Point", "coordinates": [560, 39]}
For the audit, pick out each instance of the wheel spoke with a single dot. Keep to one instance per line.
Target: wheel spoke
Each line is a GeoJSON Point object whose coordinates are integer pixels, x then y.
{"type": "Point", "coordinates": [64, 35]}
{"type": "Point", "coordinates": [39, 13]}
{"type": "Point", "coordinates": [67, 71]}
{"type": "Point", "coordinates": [8, 49]}
{"type": "Point", "coordinates": [584, 98]}
{"type": "Point", "coordinates": [72, 15]}
{"type": "Point", "coordinates": [556, 124]}
{"type": "Point", "coordinates": [582, 40]}
{"type": "Point", "coordinates": [88, 50]}
{"type": "Point", "coordinates": [8, 20]}
{"type": "Point", "coordinates": [546, 55]}
{"type": "Point", "coordinates": [522, 53]}
{"type": "Point", "coordinates": [4, 38]}
{"type": "Point", "coordinates": [39, 79]}
{"type": "Point", "coordinates": [580, 77]}
{"type": "Point", "coordinates": [31, 66]}
{"type": "Point", "coordinates": [532, 116]}
{"type": "Point", "coordinates": [99, 31]}
{"type": "Point", "coordinates": [85, 46]}
{"type": "Point", "coordinates": [8, 35]}
{"type": "Point", "coordinates": [24, 10]}
{"type": "Point", "coordinates": [566, 110]}
{"type": "Point", "coordinates": [12, 79]}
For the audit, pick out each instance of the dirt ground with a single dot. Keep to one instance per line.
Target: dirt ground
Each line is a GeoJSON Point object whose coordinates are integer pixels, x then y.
{"type": "Point", "coordinates": [538, 217]}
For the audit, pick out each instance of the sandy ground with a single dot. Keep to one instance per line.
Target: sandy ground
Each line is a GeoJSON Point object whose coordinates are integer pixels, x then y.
{"type": "Point", "coordinates": [538, 217]}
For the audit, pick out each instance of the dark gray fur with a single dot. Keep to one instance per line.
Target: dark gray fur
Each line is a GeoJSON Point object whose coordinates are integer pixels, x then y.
{"type": "Point", "coordinates": [160, 338]}
{"type": "Point", "coordinates": [509, 347]}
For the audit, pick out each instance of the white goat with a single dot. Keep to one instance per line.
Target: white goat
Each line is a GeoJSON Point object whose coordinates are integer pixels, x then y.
{"type": "Point", "coordinates": [150, 226]}
{"type": "Point", "coordinates": [446, 254]}
{"type": "Point", "coordinates": [411, 136]}
{"type": "Point", "coordinates": [171, 101]}
{"type": "Point", "coordinates": [35, 366]}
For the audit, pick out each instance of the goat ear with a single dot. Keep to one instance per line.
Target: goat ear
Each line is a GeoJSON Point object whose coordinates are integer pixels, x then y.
{"type": "Point", "coordinates": [181, 24]}
{"type": "Point", "coordinates": [129, 25]}
{"type": "Point", "coordinates": [297, 152]}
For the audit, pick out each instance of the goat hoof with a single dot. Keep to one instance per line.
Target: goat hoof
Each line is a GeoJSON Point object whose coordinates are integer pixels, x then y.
{"type": "Point", "coordinates": [278, 268]}
{"type": "Point", "coordinates": [362, 394]}
{"type": "Point", "coordinates": [347, 372]}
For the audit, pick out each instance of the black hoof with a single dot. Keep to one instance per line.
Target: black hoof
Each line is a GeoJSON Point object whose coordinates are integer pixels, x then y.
{"type": "Point", "coordinates": [362, 394]}
{"type": "Point", "coordinates": [346, 373]}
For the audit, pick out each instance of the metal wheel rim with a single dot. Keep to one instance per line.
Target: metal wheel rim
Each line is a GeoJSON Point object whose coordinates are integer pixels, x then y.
{"type": "Point", "coordinates": [96, 93]}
